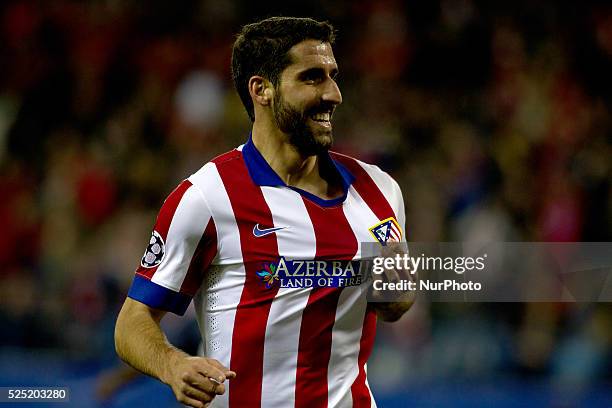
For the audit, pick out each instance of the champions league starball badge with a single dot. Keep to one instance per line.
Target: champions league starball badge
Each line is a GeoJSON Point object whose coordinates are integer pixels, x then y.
{"type": "Point", "coordinates": [155, 251]}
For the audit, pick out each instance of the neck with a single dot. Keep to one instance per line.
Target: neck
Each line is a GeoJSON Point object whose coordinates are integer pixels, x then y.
{"type": "Point", "coordinates": [291, 166]}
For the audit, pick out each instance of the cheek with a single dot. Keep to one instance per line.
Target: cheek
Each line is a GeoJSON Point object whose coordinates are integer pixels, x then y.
{"type": "Point", "coordinates": [301, 98]}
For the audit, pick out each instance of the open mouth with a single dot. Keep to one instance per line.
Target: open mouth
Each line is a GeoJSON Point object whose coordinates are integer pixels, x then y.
{"type": "Point", "coordinates": [322, 118]}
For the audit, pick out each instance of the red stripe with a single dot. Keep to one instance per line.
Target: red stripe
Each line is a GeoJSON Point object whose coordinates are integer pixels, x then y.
{"type": "Point", "coordinates": [164, 218]}
{"type": "Point", "coordinates": [359, 389]}
{"type": "Point", "coordinates": [252, 312]}
{"type": "Point", "coordinates": [376, 201]}
{"type": "Point", "coordinates": [367, 188]}
{"type": "Point", "coordinates": [335, 241]}
{"type": "Point", "coordinates": [200, 261]}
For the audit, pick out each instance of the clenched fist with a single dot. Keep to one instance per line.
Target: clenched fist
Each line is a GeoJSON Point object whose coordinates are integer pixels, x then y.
{"type": "Point", "coordinates": [196, 381]}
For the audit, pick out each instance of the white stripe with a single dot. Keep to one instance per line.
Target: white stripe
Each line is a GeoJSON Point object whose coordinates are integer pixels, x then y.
{"type": "Point", "coordinates": [217, 302]}
{"type": "Point", "coordinates": [295, 241]}
{"type": "Point", "coordinates": [346, 335]}
{"type": "Point", "coordinates": [360, 217]}
{"type": "Point", "coordinates": [184, 234]}
{"type": "Point", "coordinates": [390, 189]}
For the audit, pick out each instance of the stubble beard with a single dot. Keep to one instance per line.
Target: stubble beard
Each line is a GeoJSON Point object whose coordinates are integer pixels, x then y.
{"type": "Point", "coordinates": [295, 124]}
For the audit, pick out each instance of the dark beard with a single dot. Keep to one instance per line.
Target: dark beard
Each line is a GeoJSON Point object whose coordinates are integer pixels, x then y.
{"type": "Point", "coordinates": [294, 124]}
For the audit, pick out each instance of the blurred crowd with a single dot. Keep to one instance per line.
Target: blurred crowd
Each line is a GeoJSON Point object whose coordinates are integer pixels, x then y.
{"type": "Point", "coordinates": [494, 118]}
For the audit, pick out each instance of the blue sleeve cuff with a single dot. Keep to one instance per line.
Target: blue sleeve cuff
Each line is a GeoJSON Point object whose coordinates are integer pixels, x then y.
{"type": "Point", "coordinates": [158, 297]}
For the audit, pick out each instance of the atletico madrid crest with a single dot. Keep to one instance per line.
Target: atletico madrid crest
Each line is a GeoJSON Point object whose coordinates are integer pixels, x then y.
{"type": "Point", "coordinates": [388, 230]}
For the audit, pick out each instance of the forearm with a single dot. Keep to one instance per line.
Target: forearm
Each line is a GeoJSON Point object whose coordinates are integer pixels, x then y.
{"type": "Point", "coordinates": [141, 343]}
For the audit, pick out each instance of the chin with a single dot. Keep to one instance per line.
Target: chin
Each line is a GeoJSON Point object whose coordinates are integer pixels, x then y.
{"type": "Point", "coordinates": [311, 142]}
{"type": "Point", "coordinates": [324, 142]}
{"type": "Point", "coordinates": [324, 137]}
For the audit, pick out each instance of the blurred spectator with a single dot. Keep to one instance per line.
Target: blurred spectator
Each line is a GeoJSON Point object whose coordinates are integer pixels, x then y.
{"type": "Point", "coordinates": [495, 119]}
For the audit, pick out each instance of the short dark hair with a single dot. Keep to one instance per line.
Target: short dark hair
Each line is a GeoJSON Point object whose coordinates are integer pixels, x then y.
{"type": "Point", "coordinates": [262, 48]}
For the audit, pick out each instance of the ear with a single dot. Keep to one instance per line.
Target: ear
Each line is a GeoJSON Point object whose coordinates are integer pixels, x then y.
{"type": "Point", "coordinates": [261, 90]}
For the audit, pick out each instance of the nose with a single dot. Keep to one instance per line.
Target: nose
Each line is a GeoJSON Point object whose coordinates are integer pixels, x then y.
{"type": "Point", "coordinates": [332, 93]}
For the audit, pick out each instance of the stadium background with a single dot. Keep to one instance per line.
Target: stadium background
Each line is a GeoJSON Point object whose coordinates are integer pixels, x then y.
{"type": "Point", "coordinates": [495, 120]}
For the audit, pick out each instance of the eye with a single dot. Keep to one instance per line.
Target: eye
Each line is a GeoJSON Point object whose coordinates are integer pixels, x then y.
{"type": "Point", "coordinates": [312, 76]}
{"type": "Point", "coordinates": [311, 79]}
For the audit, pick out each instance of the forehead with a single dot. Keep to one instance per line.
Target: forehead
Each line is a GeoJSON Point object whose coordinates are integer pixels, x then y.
{"type": "Point", "coordinates": [311, 54]}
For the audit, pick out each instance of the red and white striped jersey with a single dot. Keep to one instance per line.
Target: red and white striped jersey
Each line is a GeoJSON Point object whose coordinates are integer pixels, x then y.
{"type": "Point", "coordinates": [290, 346]}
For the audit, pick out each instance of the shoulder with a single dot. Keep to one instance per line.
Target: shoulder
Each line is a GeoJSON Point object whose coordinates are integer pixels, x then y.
{"type": "Point", "coordinates": [370, 180]}
{"type": "Point", "coordinates": [366, 172]}
{"type": "Point", "coordinates": [208, 175]}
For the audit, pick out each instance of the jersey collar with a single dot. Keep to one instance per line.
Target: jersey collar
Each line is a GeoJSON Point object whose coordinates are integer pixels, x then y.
{"type": "Point", "coordinates": [263, 175]}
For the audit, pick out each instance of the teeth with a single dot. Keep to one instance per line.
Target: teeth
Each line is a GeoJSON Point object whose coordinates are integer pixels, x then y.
{"type": "Point", "coordinates": [321, 117]}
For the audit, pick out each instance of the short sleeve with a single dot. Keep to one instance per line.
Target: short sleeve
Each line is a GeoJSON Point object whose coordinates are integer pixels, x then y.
{"type": "Point", "coordinates": [397, 202]}
{"type": "Point", "coordinates": [181, 247]}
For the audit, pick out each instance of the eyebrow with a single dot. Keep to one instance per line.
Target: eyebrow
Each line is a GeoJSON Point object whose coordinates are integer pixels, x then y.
{"type": "Point", "coordinates": [317, 72]}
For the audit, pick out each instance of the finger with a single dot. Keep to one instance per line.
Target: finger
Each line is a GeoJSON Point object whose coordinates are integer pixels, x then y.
{"type": "Point", "coordinates": [190, 402]}
{"type": "Point", "coordinates": [393, 275]}
{"type": "Point", "coordinates": [400, 248]}
{"type": "Point", "coordinates": [209, 370]}
{"type": "Point", "coordinates": [204, 383]}
{"type": "Point", "coordinates": [219, 388]}
{"type": "Point", "coordinates": [386, 252]}
{"type": "Point", "coordinates": [197, 394]}
{"type": "Point", "coordinates": [228, 373]}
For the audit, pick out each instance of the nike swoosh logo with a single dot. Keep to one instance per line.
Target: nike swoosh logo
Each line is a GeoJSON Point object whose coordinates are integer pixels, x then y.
{"type": "Point", "coordinates": [260, 232]}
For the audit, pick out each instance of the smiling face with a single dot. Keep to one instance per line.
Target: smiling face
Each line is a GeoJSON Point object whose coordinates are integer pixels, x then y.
{"type": "Point", "coordinates": [307, 96]}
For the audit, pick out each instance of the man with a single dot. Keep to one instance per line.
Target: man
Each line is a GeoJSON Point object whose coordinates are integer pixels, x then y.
{"type": "Point", "coordinates": [226, 235]}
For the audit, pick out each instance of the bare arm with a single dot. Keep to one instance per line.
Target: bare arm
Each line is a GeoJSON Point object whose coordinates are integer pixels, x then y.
{"type": "Point", "coordinates": [138, 338]}
{"type": "Point", "coordinates": [141, 343]}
